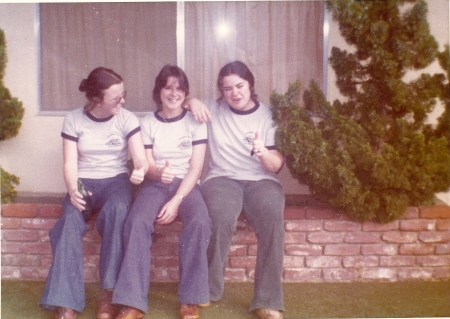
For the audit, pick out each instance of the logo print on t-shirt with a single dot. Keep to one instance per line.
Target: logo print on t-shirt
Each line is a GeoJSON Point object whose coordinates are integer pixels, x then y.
{"type": "Point", "coordinates": [114, 140]}
{"type": "Point", "coordinates": [185, 143]}
{"type": "Point", "coordinates": [249, 138]}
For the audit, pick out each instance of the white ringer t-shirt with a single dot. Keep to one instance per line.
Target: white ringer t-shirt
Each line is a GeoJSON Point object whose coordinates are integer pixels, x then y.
{"type": "Point", "coordinates": [173, 139]}
{"type": "Point", "coordinates": [102, 143]}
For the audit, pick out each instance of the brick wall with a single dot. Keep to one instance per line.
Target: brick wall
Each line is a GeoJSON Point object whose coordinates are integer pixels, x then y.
{"type": "Point", "coordinates": [321, 245]}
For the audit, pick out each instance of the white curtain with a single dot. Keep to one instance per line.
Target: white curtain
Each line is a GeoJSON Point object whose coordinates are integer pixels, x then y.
{"type": "Point", "coordinates": [280, 41]}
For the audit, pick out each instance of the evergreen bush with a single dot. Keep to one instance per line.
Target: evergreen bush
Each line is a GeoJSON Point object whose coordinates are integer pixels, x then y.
{"type": "Point", "coordinates": [11, 114]}
{"type": "Point", "coordinates": [369, 155]}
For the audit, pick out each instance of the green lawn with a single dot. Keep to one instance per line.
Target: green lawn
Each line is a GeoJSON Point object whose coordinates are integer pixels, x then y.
{"type": "Point", "coordinates": [302, 300]}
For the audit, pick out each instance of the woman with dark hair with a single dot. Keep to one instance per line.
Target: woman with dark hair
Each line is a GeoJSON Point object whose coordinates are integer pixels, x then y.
{"type": "Point", "coordinates": [175, 147]}
{"type": "Point", "coordinates": [97, 139]}
{"type": "Point", "coordinates": [242, 178]}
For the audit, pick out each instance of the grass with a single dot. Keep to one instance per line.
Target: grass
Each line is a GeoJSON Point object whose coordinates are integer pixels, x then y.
{"type": "Point", "coordinates": [302, 300]}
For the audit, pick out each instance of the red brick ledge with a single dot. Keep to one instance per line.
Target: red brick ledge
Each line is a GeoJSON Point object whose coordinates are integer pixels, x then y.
{"type": "Point", "coordinates": [321, 245]}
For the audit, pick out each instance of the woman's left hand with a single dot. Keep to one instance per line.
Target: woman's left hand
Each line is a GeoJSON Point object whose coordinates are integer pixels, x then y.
{"type": "Point", "coordinates": [168, 213]}
{"type": "Point", "coordinates": [258, 146]}
{"type": "Point", "coordinates": [137, 176]}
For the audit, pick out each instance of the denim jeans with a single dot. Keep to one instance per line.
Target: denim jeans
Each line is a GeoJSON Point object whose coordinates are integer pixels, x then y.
{"type": "Point", "coordinates": [134, 278]}
{"type": "Point", "coordinates": [111, 198]}
{"type": "Point", "coordinates": [263, 204]}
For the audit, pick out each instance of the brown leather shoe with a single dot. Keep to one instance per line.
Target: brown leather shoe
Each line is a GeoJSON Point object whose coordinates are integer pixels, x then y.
{"type": "Point", "coordinates": [130, 313]}
{"type": "Point", "coordinates": [66, 313]}
{"type": "Point", "coordinates": [265, 313]}
{"type": "Point", "coordinates": [188, 311]}
{"type": "Point", "coordinates": [106, 309]}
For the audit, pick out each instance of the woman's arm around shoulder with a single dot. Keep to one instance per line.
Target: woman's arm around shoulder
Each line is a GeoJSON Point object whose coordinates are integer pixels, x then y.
{"type": "Point", "coordinates": [198, 109]}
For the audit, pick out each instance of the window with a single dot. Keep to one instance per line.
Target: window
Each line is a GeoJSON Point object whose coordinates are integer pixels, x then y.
{"type": "Point", "coordinates": [280, 41]}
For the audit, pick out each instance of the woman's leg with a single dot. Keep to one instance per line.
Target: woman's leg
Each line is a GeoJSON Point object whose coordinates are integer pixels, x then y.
{"type": "Point", "coordinates": [115, 196]}
{"type": "Point", "coordinates": [134, 278]}
{"type": "Point", "coordinates": [264, 206]}
{"type": "Point", "coordinates": [223, 197]}
{"type": "Point", "coordinates": [194, 239]}
{"type": "Point", "coordinates": [65, 281]}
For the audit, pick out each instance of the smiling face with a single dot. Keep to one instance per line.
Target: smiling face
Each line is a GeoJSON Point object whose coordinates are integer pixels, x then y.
{"type": "Point", "coordinates": [172, 96]}
{"type": "Point", "coordinates": [237, 92]}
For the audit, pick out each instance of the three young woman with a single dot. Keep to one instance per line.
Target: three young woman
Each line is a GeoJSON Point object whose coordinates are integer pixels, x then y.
{"type": "Point", "coordinates": [241, 177]}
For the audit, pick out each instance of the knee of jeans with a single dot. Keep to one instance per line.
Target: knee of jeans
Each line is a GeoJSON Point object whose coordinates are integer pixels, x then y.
{"type": "Point", "coordinates": [70, 220]}
{"type": "Point", "coordinates": [136, 222]}
{"type": "Point", "coordinates": [202, 222]}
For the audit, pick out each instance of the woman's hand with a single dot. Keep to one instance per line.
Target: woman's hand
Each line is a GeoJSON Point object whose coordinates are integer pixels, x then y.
{"type": "Point", "coordinates": [271, 160]}
{"type": "Point", "coordinates": [137, 176]}
{"type": "Point", "coordinates": [198, 109]}
{"type": "Point", "coordinates": [258, 146]}
{"type": "Point", "coordinates": [77, 199]}
{"type": "Point", "coordinates": [166, 173]}
{"type": "Point", "coordinates": [169, 212]}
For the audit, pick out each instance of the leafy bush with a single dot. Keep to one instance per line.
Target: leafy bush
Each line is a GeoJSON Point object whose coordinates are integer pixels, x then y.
{"type": "Point", "coordinates": [369, 155]}
{"type": "Point", "coordinates": [8, 182]}
{"type": "Point", "coordinates": [11, 114]}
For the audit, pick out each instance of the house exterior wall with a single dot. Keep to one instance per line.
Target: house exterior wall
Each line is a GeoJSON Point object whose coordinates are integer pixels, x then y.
{"type": "Point", "coordinates": [35, 154]}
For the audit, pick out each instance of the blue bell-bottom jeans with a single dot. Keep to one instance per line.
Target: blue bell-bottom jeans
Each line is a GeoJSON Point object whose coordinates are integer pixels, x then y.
{"type": "Point", "coordinates": [134, 279]}
{"type": "Point", "coordinates": [262, 202]}
{"type": "Point", "coordinates": [111, 198]}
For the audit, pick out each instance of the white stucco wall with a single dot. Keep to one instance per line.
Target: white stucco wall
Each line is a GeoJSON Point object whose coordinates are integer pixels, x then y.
{"type": "Point", "coordinates": [35, 154]}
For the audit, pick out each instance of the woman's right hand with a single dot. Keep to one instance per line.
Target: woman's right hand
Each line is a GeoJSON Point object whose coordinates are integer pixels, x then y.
{"type": "Point", "coordinates": [166, 173]}
{"type": "Point", "coordinates": [77, 199]}
{"type": "Point", "coordinates": [198, 109]}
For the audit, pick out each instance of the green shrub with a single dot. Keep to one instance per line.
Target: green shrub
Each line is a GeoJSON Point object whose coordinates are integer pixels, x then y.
{"type": "Point", "coordinates": [368, 155]}
{"type": "Point", "coordinates": [8, 182]}
{"type": "Point", "coordinates": [11, 114]}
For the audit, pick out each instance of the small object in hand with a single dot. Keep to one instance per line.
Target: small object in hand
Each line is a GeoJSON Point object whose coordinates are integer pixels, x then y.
{"type": "Point", "coordinates": [87, 212]}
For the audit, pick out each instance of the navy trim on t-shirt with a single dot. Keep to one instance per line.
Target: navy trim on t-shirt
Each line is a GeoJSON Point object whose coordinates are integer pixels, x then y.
{"type": "Point", "coordinates": [69, 137]}
{"type": "Point", "coordinates": [172, 119]}
{"type": "Point", "coordinates": [253, 109]}
{"type": "Point", "coordinates": [200, 142]}
{"type": "Point", "coordinates": [93, 118]}
{"type": "Point", "coordinates": [136, 130]}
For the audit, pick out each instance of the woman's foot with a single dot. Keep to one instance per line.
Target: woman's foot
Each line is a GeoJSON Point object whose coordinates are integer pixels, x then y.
{"type": "Point", "coordinates": [106, 309]}
{"type": "Point", "coordinates": [188, 311]}
{"type": "Point", "coordinates": [66, 313]}
{"type": "Point", "coordinates": [265, 313]}
{"type": "Point", "coordinates": [130, 313]}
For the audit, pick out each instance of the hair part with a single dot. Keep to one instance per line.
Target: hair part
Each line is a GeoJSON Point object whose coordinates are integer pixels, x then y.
{"type": "Point", "coordinates": [161, 81]}
{"type": "Point", "coordinates": [240, 69]}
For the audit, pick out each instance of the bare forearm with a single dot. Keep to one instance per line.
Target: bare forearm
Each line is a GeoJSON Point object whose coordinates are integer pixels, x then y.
{"type": "Point", "coordinates": [71, 176]}
{"type": "Point", "coordinates": [272, 161]}
{"type": "Point", "coordinates": [188, 183]}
